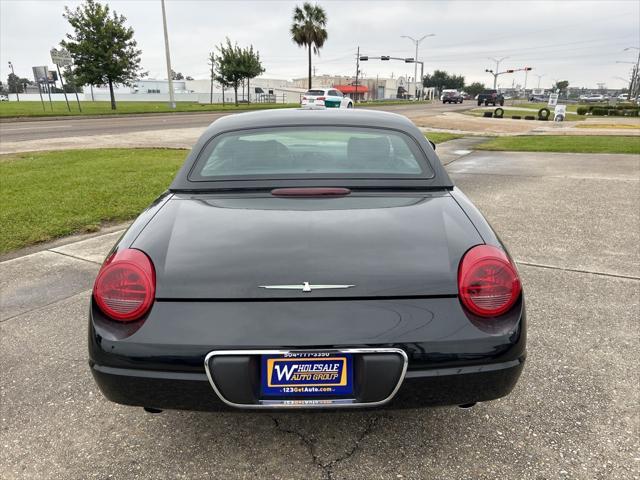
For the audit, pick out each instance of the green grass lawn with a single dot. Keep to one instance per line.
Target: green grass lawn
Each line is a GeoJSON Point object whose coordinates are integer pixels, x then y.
{"type": "Point", "coordinates": [439, 137]}
{"type": "Point", "coordinates": [46, 195]}
{"type": "Point", "coordinates": [34, 109]}
{"type": "Point", "coordinates": [564, 143]}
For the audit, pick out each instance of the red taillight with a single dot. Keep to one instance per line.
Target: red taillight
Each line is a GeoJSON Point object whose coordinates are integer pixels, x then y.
{"type": "Point", "coordinates": [126, 285]}
{"type": "Point", "coordinates": [304, 98]}
{"type": "Point", "coordinates": [320, 98]}
{"type": "Point", "coordinates": [487, 281]}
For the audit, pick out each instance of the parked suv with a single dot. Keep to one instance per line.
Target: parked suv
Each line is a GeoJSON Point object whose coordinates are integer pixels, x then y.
{"type": "Point", "coordinates": [492, 97]}
{"type": "Point", "coordinates": [452, 97]}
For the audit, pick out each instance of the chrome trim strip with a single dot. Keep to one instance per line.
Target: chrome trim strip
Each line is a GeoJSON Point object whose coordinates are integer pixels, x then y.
{"type": "Point", "coordinates": [308, 403]}
{"type": "Point", "coordinates": [305, 287]}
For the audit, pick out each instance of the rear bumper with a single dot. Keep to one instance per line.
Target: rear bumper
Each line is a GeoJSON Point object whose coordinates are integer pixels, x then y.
{"type": "Point", "coordinates": [419, 388]}
{"type": "Point", "coordinates": [450, 360]}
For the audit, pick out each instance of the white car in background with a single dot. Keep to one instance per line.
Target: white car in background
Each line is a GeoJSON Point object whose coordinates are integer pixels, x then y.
{"type": "Point", "coordinates": [623, 97]}
{"type": "Point", "coordinates": [325, 98]}
{"type": "Point", "coordinates": [4, 98]}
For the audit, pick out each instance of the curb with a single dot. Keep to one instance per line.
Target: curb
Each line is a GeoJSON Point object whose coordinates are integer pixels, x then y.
{"type": "Point", "coordinates": [40, 247]}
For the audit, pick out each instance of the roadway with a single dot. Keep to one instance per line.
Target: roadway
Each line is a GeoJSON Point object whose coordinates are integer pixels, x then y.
{"type": "Point", "coordinates": [24, 131]}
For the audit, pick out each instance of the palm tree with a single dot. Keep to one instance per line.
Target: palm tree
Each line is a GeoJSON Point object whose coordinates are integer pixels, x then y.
{"type": "Point", "coordinates": [308, 29]}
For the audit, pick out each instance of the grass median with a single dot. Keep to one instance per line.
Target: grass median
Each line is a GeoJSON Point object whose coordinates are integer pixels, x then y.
{"type": "Point", "coordinates": [46, 195]}
{"type": "Point", "coordinates": [564, 144]}
{"type": "Point", "coordinates": [34, 109]}
{"type": "Point", "coordinates": [439, 137]}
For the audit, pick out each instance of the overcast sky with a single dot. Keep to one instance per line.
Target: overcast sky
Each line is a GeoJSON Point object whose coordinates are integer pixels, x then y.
{"type": "Point", "coordinates": [579, 41]}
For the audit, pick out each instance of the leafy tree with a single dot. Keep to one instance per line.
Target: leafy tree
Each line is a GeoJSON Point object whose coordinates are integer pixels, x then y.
{"type": "Point", "coordinates": [14, 83]}
{"type": "Point", "coordinates": [176, 76]}
{"type": "Point", "coordinates": [235, 65]}
{"type": "Point", "coordinates": [70, 81]}
{"type": "Point", "coordinates": [561, 85]}
{"type": "Point", "coordinates": [229, 66]}
{"type": "Point", "coordinates": [102, 47]}
{"type": "Point", "coordinates": [308, 29]}
{"type": "Point", "coordinates": [475, 88]}
{"type": "Point", "coordinates": [441, 80]}
{"type": "Point", "coordinates": [251, 66]}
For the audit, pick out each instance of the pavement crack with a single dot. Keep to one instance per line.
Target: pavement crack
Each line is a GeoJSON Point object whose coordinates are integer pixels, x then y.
{"type": "Point", "coordinates": [74, 257]}
{"type": "Point", "coordinates": [42, 307]}
{"type": "Point", "coordinates": [327, 468]}
{"type": "Point", "coordinates": [577, 270]}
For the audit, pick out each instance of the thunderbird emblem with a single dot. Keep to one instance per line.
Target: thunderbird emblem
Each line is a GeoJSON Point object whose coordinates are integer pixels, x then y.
{"type": "Point", "coordinates": [305, 287]}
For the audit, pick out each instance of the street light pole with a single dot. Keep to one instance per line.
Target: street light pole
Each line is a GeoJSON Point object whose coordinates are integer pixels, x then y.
{"type": "Point", "coordinates": [539, 77]}
{"type": "Point", "coordinates": [495, 74]}
{"type": "Point", "coordinates": [415, 67]}
{"type": "Point", "coordinates": [18, 84]}
{"type": "Point", "coordinates": [172, 100]}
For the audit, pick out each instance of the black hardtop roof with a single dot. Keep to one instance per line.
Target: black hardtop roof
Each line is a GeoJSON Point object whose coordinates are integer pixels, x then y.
{"type": "Point", "coordinates": [302, 117]}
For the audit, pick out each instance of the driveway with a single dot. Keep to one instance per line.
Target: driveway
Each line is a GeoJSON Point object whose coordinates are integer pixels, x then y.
{"type": "Point", "coordinates": [573, 225]}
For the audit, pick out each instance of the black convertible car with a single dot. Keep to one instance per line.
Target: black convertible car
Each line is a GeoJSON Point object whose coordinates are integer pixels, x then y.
{"type": "Point", "coordinates": [308, 259]}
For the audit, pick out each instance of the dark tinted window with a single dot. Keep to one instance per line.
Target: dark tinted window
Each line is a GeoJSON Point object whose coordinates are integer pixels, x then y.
{"type": "Point", "coordinates": [312, 152]}
{"type": "Point", "coordinates": [315, 93]}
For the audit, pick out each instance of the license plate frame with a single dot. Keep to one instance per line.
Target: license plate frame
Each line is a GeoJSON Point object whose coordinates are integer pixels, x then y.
{"type": "Point", "coordinates": [306, 374]}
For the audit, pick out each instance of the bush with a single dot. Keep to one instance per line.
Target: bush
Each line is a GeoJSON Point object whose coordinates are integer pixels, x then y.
{"type": "Point", "coordinates": [583, 110]}
{"type": "Point", "coordinates": [598, 111]}
{"type": "Point", "coordinates": [613, 112]}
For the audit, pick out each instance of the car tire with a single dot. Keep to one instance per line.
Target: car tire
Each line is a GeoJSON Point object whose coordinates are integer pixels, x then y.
{"type": "Point", "coordinates": [349, 105]}
{"type": "Point", "coordinates": [501, 103]}
{"type": "Point", "coordinates": [479, 103]}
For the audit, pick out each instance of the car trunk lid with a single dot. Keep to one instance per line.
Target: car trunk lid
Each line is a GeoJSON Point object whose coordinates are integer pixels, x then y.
{"type": "Point", "coordinates": [356, 246]}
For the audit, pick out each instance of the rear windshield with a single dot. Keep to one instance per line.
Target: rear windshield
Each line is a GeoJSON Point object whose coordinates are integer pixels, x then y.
{"type": "Point", "coordinates": [315, 92]}
{"type": "Point", "coordinates": [311, 152]}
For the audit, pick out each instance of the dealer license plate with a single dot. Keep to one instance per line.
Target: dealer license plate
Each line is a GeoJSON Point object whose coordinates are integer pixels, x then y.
{"type": "Point", "coordinates": [307, 374]}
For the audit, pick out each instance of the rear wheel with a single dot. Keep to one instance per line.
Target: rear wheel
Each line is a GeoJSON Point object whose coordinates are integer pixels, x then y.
{"type": "Point", "coordinates": [349, 105]}
{"type": "Point", "coordinates": [501, 103]}
{"type": "Point", "coordinates": [479, 102]}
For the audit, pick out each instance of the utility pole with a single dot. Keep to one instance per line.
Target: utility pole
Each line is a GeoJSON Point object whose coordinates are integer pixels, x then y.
{"type": "Point", "coordinates": [212, 62]}
{"type": "Point", "coordinates": [539, 77]}
{"type": "Point", "coordinates": [18, 84]}
{"type": "Point", "coordinates": [415, 69]}
{"type": "Point", "coordinates": [172, 100]}
{"type": "Point", "coordinates": [526, 75]}
{"type": "Point", "coordinates": [355, 100]}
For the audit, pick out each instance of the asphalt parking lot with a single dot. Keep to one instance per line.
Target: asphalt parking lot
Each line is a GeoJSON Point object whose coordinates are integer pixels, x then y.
{"type": "Point", "coordinates": [573, 224]}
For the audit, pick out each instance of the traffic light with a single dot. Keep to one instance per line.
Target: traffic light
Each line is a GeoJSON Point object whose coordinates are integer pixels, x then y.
{"type": "Point", "coordinates": [364, 58]}
{"type": "Point", "coordinates": [408, 60]}
{"type": "Point", "coordinates": [384, 57]}
{"type": "Point", "coordinates": [527, 69]}
{"type": "Point", "coordinates": [509, 71]}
